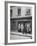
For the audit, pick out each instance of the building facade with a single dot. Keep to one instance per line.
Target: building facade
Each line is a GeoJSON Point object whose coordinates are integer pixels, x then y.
{"type": "Point", "coordinates": [21, 19]}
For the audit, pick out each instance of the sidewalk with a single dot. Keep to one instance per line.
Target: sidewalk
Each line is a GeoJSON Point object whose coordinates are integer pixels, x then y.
{"type": "Point", "coordinates": [21, 34]}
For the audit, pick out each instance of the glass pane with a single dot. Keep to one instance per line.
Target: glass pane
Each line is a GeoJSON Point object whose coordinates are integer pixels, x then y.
{"type": "Point", "coordinates": [19, 12]}
{"type": "Point", "coordinates": [11, 12]}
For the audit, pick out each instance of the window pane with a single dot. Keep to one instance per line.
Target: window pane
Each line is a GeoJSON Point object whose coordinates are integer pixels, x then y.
{"type": "Point", "coordinates": [19, 12]}
{"type": "Point", "coordinates": [11, 12]}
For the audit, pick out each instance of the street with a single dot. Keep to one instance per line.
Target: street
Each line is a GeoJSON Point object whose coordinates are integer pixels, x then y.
{"type": "Point", "coordinates": [16, 35]}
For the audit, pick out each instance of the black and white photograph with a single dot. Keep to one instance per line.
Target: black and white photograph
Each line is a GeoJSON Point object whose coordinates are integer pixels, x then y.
{"type": "Point", "coordinates": [20, 20]}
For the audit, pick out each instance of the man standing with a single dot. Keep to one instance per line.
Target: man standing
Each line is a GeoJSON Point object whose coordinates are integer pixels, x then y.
{"type": "Point", "coordinates": [22, 27]}
{"type": "Point", "coordinates": [19, 28]}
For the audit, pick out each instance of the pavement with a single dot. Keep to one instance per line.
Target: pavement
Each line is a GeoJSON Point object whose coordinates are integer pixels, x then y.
{"type": "Point", "coordinates": [17, 35]}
